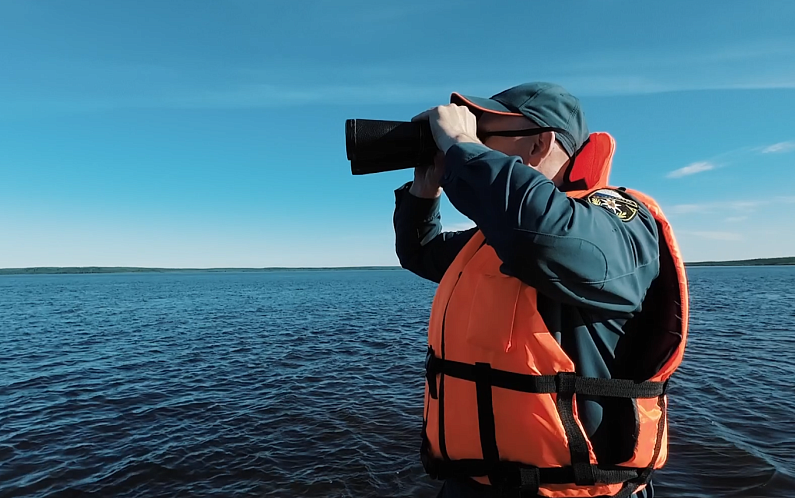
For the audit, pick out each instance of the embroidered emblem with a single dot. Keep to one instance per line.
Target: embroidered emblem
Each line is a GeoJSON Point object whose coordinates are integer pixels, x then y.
{"type": "Point", "coordinates": [625, 209]}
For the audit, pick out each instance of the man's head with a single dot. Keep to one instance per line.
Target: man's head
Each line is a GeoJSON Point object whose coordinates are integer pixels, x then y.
{"type": "Point", "coordinates": [547, 122]}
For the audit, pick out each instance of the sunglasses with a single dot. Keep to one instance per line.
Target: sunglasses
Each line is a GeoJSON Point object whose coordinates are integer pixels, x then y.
{"type": "Point", "coordinates": [482, 135]}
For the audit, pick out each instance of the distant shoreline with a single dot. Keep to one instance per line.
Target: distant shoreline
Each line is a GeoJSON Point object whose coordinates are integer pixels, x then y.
{"type": "Point", "coordinates": [75, 270]}
{"type": "Point", "coordinates": [748, 262]}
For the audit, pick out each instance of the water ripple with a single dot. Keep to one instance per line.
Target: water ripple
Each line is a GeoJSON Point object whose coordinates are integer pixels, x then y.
{"type": "Point", "coordinates": [311, 384]}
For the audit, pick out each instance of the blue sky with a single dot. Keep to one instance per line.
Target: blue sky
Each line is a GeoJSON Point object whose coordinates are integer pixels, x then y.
{"type": "Point", "coordinates": [211, 134]}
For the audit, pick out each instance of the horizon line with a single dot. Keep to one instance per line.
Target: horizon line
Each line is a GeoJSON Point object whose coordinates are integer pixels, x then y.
{"type": "Point", "coordinates": [141, 269]}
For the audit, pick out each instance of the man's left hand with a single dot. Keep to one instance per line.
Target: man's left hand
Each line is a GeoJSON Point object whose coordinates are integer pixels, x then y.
{"type": "Point", "coordinates": [451, 124]}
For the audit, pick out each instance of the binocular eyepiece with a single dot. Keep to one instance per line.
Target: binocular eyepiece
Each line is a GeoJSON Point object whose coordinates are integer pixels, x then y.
{"type": "Point", "coordinates": [374, 146]}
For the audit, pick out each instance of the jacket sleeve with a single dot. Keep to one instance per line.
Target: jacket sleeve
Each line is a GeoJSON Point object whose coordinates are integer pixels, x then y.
{"type": "Point", "coordinates": [420, 244]}
{"type": "Point", "coordinates": [569, 249]}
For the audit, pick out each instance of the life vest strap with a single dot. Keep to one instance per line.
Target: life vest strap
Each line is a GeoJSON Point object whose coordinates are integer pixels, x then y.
{"type": "Point", "coordinates": [561, 383]}
{"type": "Point", "coordinates": [578, 446]}
{"type": "Point", "coordinates": [527, 479]}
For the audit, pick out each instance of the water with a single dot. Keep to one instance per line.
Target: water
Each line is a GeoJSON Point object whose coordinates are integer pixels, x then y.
{"type": "Point", "coordinates": [310, 384]}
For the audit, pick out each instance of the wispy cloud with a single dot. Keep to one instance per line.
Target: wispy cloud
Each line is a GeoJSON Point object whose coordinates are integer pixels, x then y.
{"type": "Point", "coordinates": [723, 206]}
{"type": "Point", "coordinates": [92, 86]}
{"type": "Point", "coordinates": [744, 66]}
{"type": "Point", "coordinates": [742, 206]}
{"type": "Point", "coordinates": [244, 97]}
{"type": "Point", "coordinates": [687, 208]}
{"type": "Point", "coordinates": [735, 219]}
{"type": "Point", "coordinates": [730, 157]}
{"type": "Point", "coordinates": [716, 235]}
{"type": "Point", "coordinates": [692, 169]}
{"type": "Point", "coordinates": [779, 148]}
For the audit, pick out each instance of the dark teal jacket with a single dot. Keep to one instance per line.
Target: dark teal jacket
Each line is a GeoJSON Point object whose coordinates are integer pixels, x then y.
{"type": "Point", "coordinates": [591, 269]}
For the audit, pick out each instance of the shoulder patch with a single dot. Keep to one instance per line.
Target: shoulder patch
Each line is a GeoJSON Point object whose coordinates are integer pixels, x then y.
{"type": "Point", "coordinates": [625, 209]}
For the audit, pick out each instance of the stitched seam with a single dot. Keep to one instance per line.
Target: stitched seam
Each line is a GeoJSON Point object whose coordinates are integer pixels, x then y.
{"type": "Point", "coordinates": [532, 97]}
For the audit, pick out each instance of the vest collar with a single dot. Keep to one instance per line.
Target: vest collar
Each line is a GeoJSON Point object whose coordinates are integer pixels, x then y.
{"type": "Point", "coordinates": [590, 167]}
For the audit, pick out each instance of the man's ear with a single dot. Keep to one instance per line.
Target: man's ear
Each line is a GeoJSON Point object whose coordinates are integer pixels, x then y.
{"type": "Point", "coordinates": [542, 147]}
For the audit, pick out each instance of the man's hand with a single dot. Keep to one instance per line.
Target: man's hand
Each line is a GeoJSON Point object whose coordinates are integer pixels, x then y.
{"type": "Point", "coordinates": [426, 179]}
{"type": "Point", "coordinates": [450, 124]}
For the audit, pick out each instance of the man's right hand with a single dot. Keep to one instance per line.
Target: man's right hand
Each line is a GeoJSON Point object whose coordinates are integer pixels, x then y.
{"type": "Point", "coordinates": [426, 179]}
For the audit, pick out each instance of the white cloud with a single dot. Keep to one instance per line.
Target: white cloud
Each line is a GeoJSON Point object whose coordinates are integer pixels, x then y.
{"type": "Point", "coordinates": [101, 87]}
{"type": "Point", "coordinates": [688, 208]}
{"type": "Point", "coordinates": [745, 205]}
{"type": "Point", "coordinates": [692, 169]}
{"type": "Point", "coordinates": [735, 219]}
{"type": "Point", "coordinates": [731, 157]}
{"type": "Point", "coordinates": [710, 207]}
{"type": "Point", "coordinates": [779, 147]}
{"type": "Point", "coordinates": [716, 235]}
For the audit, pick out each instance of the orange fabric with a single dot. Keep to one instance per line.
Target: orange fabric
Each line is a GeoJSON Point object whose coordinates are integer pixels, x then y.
{"type": "Point", "coordinates": [648, 415]}
{"type": "Point", "coordinates": [493, 318]}
{"type": "Point", "coordinates": [684, 296]}
{"type": "Point", "coordinates": [593, 162]}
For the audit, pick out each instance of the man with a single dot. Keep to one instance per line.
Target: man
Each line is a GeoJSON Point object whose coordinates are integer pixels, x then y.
{"type": "Point", "coordinates": [558, 319]}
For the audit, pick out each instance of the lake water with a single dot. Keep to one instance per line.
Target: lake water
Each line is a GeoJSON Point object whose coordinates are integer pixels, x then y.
{"type": "Point", "coordinates": [310, 383]}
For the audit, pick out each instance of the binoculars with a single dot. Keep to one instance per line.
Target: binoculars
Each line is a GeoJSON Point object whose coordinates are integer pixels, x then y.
{"type": "Point", "coordinates": [374, 146]}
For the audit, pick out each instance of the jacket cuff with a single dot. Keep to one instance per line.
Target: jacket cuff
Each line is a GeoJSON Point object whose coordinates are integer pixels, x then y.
{"type": "Point", "coordinates": [413, 207]}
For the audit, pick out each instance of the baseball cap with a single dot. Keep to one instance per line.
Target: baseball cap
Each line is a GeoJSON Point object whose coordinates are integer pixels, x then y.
{"type": "Point", "coordinates": [546, 104]}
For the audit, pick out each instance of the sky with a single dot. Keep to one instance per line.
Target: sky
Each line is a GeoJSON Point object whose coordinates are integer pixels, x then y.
{"type": "Point", "coordinates": [198, 133]}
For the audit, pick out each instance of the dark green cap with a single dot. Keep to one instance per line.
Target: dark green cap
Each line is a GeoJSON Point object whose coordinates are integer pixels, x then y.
{"type": "Point", "coordinates": [546, 104]}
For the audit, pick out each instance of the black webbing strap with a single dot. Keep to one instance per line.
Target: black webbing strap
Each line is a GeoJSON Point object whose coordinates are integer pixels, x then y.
{"type": "Point", "coordinates": [631, 486]}
{"type": "Point", "coordinates": [529, 482]}
{"type": "Point", "coordinates": [488, 436]}
{"type": "Point", "coordinates": [540, 384]}
{"type": "Point", "coordinates": [578, 446]}
{"type": "Point", "coordinates": [660, 432]}
{"type": "Point", "coordinates": [523, 478]}
{"type": "Point", "coordinates": [513, 474]}
{"type": "Point", "coordinates": [431, 372]}
{"type": "Point", "coordinates": [442, 440]}
{"type": "Point", "coordinates": [627, 490]}
{"type": "Point", "coordinates": [647, 472]}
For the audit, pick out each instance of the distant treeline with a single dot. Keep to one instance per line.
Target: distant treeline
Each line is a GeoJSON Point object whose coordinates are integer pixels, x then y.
{"type": "Point", "coordinates": [124, 269]}
{"type": "Point", "coordinates": [747, 262]}
{"type": "Point", "coordinates": [72, 270]}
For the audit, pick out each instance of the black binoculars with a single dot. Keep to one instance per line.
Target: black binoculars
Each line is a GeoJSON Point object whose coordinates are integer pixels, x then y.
{"type": "Point", "coordinates": [374, 146]}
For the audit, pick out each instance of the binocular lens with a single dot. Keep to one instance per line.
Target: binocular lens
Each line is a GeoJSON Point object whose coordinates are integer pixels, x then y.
{"type": "Point", "coordinates": [374, 146]}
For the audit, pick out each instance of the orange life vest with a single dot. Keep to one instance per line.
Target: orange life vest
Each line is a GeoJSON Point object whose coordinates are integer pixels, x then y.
{"type": "Point", "coordinates": [500, 391]}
